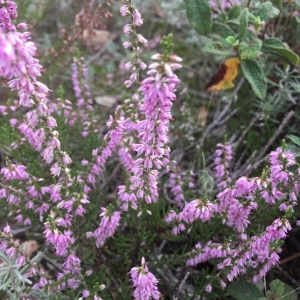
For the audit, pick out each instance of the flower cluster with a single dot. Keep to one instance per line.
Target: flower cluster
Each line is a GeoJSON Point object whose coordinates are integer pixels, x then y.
{"type": "Point", "coordinates": [144, 282]}
{"type": "Point", "coordinates": [151, 119]}
{"type": "Point", "coordinates": [152, 133]}
{"type": "Point", "coordinates": [223, 157]}
{"type": "Point", "coordinates": [236, 206]}
{"type": "Point", "coordinates": [17, 64]}
{"type": "Point", "coordinates": [83, 95]}
{"type": "Point", "coordinates": [223, 4]}
{"type": "Point", "coordinates": [110, 142]}
{"type": "Point", "coordinates": [67, 208]}
{"type": "Point", "coordinates": [136, 40]}
{"type": "Point", "coordinates": [175, 182]}
{"type": "Point", "coordinates": [11, 248]}
{"type": "Point", "coordinates": [107, 227]}
{"type": "Point", "coordinates": [8, 12]}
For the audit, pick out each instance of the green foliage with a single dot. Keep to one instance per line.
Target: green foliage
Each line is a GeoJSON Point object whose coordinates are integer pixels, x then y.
{"type": "Point", "coordinates": [294, 139]}
{"type": "Point", "coordinates": [255, 76]}
{"type": "Point", "coordinates": [249, 49]}
{"type": "Point", "coordinates": [218, 48]}
{"type": "Point", "coordinates": [289, 293]}
{"type": "Point", "coordinates": [199, 15]}
{"type": "Point", "coordinates": [242, 290]}
{"type": "Point", "coordinates": [277, 47]}
{"type": "Point", "coordinates": [12, 279]}
{"type": "Point", "coordinates": [267, 11]}
{"type": "Point", "coordinates": [243, 23]}
{"type": "Point", "coordinates": [229, 32]}
{"type": "Point", "coordinates": [234, 12]}
{"type": "Point", "coordinates": [280, 290]}
{"type": "Point", "coordinates": [277, 288]}
{"type": "Point", "coordinates": [221, 30]}
{"type": "Point", "coordinates": [234, 29]}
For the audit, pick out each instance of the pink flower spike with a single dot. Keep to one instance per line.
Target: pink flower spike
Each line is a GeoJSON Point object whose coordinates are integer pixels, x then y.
{"type": "Point", "coordinates": [144, 282]}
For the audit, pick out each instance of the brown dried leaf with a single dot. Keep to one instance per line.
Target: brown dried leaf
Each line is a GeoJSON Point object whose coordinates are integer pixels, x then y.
{"type": "Point", "coordinates": [30, 247]}
{"type": "Point", "coordinates": [96, 38]}
{"type": "Point", "coordinates": [107, 101]}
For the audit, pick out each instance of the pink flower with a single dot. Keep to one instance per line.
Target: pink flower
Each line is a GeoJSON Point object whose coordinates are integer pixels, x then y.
{"type": "Point", "coordinates": [124, 10]}
{"type": "Point", "coordinates": [126, 44]}
{"type": "Point", "coordinates": [223, 4]}
{"type": "Point", "coordinates": [16, 172]}
{"type": "Point", "coordinates": [85, 293]}
{"type": "Point", "coordinates": [141, 39]}
{"type": "Point", "coordinates": [137, 18]}
{"type": "Point", "coordinates": [223, 157]}
{"type": "Point", "coordinates": [144, 282]}
{"type": "Point", "coordinates": [107, 227]}
{"type": "Point", "coordinates": [208, 288]}
{"type": "Point", "coordinates": [196, 210]}
{"type": "Point", "coordinates": [127, 29]}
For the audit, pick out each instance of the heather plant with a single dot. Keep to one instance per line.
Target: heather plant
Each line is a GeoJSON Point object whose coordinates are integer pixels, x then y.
{"type": "Point", "coordinates": [148, 202]}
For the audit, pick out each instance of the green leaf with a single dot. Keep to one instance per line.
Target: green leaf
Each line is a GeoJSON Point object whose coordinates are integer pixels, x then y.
{"type": "Point", "coordinates": [5, 258]}
{"type": "Point", "coordinates": [289, 293]}
{"type": "Point", "coordinates": [277, 3]}
{"type": "Point", "coordinates": [234, 12]}
{"type": "Point", "coordinates": [220, 18]}
{"type": "Point", "coordinates": [267, 11]}
{"type": "Point", "coordinates": [276, 46]}
{"type": "Point", "coordinates": [251, 18]}
{"type": "Point", "coordinates": [222, 30]}
{"type": "Point", "coordinates": [231, 40]}
{"type": "Point", "coordinates": [233, 22]}
{"type": "Point", "coordinates": [218, 48]}
{"type": "Point", "coordinates": [276, 43]}
{"type": "Point", "coordinates": [243, 23]}
{"type": "Point", "coordinates": [199, 15]}
{"type": "Point", "coordinates": [255, 76]}
{"type": "Point", "coordinates": [5, 285]}
{"type": "Point", "coordinates": [242, 290]}
{"type": "Point", "coordinates": [277, 288]}
{"type": "Point", "coordinates": [294, 139]}
{"type": "Point", "coordinates": [249, 50]}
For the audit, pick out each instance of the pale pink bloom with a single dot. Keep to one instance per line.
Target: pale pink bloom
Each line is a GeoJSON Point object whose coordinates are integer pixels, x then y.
{"type": "Point", "coordinates": [126, 44]}
{"type": "Point", "coordinates": [16, 172]}
{"type": "Point", "coordinates": [208, 288]}
{"type": "Point", "coordinates": [127, 29]}
{"type": "Point", "coordinates": [141, 39]}
{"type": "Point", "coordinates": [137, 18]}
{"type": "Point", "coordinates": [124, 10]}
{"type": "Point", "coordinates": [144, 282]}
{"type": "Point", "coordinates": [107, 227]}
